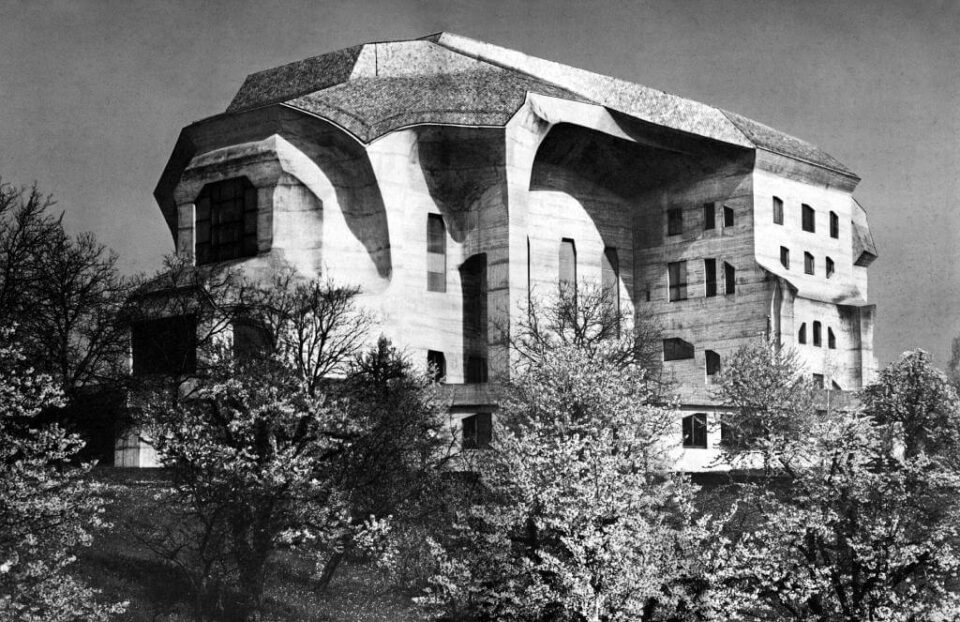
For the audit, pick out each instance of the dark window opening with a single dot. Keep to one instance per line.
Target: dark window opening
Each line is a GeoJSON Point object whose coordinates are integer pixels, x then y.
{"type": "Point", "coordinates": [802, 335]}
{"type": "Point", "coordinates": [695, 431]}
{"type": "Point", "coordinates": [251, 339]}
{"type": "Point", "coordinates": [709, 216]}
{"type": "Point", "coordinates": [473, 282]}
{"type": "Point", "coordinates": [226, 221]}
{"type": "Point", "coordinates": [677, 275]}
{"type": "Point", "coordinates": [610, 281]}
{"type": "Point", "coordinates": [727, 216]}
{"type": "Point", "coordinates": [713, 363]}
{"type": "Point", "coordinates": [730, 278]}
{"type": "Point", "coordinates": [675, 349]}
{"type": "Point", "coordinates": [165, 346]}
{"type": "Point", "coordinates": [816, 334]}
{"type": "Point", "coordinates": [835, 386]}
{"type": "Point", "coordinates": [710, 276]}
{"type": "Point", "coordinates": [477, 431]}
{"type": "Point", "coordinates": [777, 211]}
{"type": "Point", "coordinates": [818, 381]}
{"type": "Point", "coordinates": [476, 369]}
{"type": "Point", "coordinates": [830, 267]}
{"type": "Point", "coordinates": [674, 221]}
{"type": "Point", "coordinates": [834, 225]}
{"type": "Point", "coordinates": [808, 263]}
{"type": "Point", "coordinates": [785, 257]}
{"type": "Point", "coordinates": [437, 365]}
{"type": "Point", "coordinates": [436, 254]}
{"type": "Point", "coordinates": [809, 219]}
{"type": "Point", "coordinates": [831, 339]}
{"type": "Point", "coordinates": [568, 267]}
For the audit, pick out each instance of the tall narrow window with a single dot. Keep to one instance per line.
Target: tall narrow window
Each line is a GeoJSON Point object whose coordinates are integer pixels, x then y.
{"type": "Point", "coordinates": [675, 349]}
{"type": "Point", "coordinates": [695, 431]}
{"type": "Point", "coordinates": [730, 278]}
{"type": "Point", "coordinates": [713, 363]}
{"type": "Point", "coordinates": [437, 364]}
{"type": "Point", "coordinates": [727, 216]}
{"type": "Point", "coordinates": [785, 257]}
{"type": "Point", "coordinates": [830, 267]}
{"type": "Point", "coordinates": [802, 335]}
{"type": "Point", "coordinates": [677, 275]}
{"type": "Point", "coordinates": [816, 334]}
{"type": "Point", "coordinates": [436, 254]}
{"type": "Point", "coordinates": [568, 267]}
{"type": "Point", "coordinates": [473, 283]}
{"type": "Point", "coordinates": [777, 211]}
{"type": "Point", "coordinates": [808, 263]}
{"type": "Point", "coordinates": [709, 216]}
{"type": "Point", "coordinates": [834, 225]}
{"type": "Point", "coordinates": [165, 346]}
{"type": "Point", "coordinates": [477, 431]}
{"type": "Point", "coordinates": [809, 219]}
{"type": "Point", "coordinates": [226, 221]}
{"type": "Point", "coordinates": [831, 339]}
{"type": "Point", "coordinates": [610, 281]}
{"type": "Point", "coordinates": [710, 276]}
{"type": "Point", "coordinates": [674, 221]}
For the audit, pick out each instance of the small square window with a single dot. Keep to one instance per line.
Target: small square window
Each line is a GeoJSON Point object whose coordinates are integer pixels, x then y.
{"type": "Point", "coordinates": [727, 216]}
{"type": "Point", "coordinates": [675, 221]}
{"type": "Point", "coordinates": [695, 431]}
{"type": "Point", "coordinates": [477, 431]}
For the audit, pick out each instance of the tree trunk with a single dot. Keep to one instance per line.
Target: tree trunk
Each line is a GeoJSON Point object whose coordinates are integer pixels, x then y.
{"type": "Point", "coordinates": [329, 569]}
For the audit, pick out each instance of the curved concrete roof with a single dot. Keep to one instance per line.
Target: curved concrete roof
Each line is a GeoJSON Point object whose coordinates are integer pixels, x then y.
{"type": "Point", "coordinates": [375, 88]}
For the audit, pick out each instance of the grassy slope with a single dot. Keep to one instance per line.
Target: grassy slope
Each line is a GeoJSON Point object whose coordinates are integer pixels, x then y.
{"type": "Point", "coordinates": [125, 570]}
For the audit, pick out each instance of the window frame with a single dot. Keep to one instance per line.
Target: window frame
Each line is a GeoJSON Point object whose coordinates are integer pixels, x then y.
{"type": "Point", "coordinates": [437, 366]}
{"type": "Point", "coordinates": [829, 267]}
{"type": "Point", "coordinates": [817, 334]}
{"type": "Point", "coordinates": [710, 277]}
{"type": "Point", "coordinates": [831, 339]}
{"type": "Point", "coordinates": [677, 283]}
{"type": "Point", "coordinates": [777, 211]}
{"type": "Point", "coordinates": [729, 217]}
{"type": "Point", "coordinates": [712, 362]}
{"type": "Point", "coordinates": [476, 431]}
{"type": "Point", "coordinates": [694, 431]}
{"type": "Point", "coordinates": [436, 253]}
{"type": "Point", "coordinates": [834, 225]}
{"type": "Point", "coordinates": [808, 218]}
{"type": "Point", "coordinates": [729, 278]}
{"type": "Point", "coordinates": [567, 282]}
{"type": "Point", "coordinates": [674, 221]}
{"type": "Point", "coordinates": [210, 226]}
{"type": "Point", "coordinates": [677, 349]}
{"type": "Point", "coordinates": [809, 263]}
{"type": "Point", "coordinates": [802, 333]}
{"type": "Point", "coordinates": [785, 257]}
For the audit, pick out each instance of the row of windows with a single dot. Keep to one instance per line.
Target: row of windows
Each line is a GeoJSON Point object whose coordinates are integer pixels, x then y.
{"type": "Point", "coordinates": [676, 349]}
{"type": "Point", "coordinates": [808, 218]}
{"type": "Point", "coordinates": [809, 264]}
{"type": "Point", "coordinates": [817, 336]}
{"type": "Point", "coordinates": [675, 218]}
{"type": "Point", "coordinates": [677, 279]}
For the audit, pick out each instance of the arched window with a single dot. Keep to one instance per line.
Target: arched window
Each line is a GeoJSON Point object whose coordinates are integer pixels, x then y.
{"type": "Point", "coordinates": [226, 221]}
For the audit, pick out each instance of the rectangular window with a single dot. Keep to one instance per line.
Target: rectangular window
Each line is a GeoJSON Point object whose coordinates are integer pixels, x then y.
{"type": "Point", "coordinates": [568, 267]}
{"type": "Point", "coordinates": [785, 257]}
{"type": "Point", "coordinates": [695, 431]}
{"type": "Point", "coordinates": [165, 346]}
{"type": "Point", "coordinates": [816, 334]}
{"type": "Point", "coordinates": [710, 276]}
{"type": "Point", "coordinates": [610, 281]}
{"type": "Point", "coordinates": [709, 216]}
{"type": "Point", "coordinates": [834, 225]}
{"type": "Point", "coordinates": [436, 254]}
{"type": "Point", "coordinates": [674, 221]}
{"type": "Point", "coordinates": [677, 275]}
{"type": "Point", "coordinates": [831, 339]}
{"type": "Point", "coordinates": [730, 278]}
{"type": "Point", "coordinates": [476, 369]}
{"type": "Point", "coordinates": [437, 365]}
{"type": "Point", "coordinates": [727, 216]}
{"type": "Point", "coordinates": [477, 431]}
{"type": "Point", "coordinates": [808, 263]}
{"type": "Point", "coordinates": [830, 267]}
{"type": "Point", "coordinates": [226, 221]}
{"type": "Point", "coordinates": [713, 363]}
{"type": "Point", "coordinates": [802, 334]}
{"type": "Point", "coordinates": [675, 349]}
{"type": "Point", "coordinates": [777, 211]}
{"type": "Point", "coordinates": [251, 339]}
{"type": "Point", "coordinates": [818, 381]}
{"type": "Point", "coordinates": [809, 219]}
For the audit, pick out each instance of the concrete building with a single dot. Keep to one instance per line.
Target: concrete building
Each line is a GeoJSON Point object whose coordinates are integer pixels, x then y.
{"type": "Point", "coordinates": [449, 178]}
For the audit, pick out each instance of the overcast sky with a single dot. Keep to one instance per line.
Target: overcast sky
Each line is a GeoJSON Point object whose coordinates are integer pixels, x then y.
{"type": "Point", "coordinates": [93, 96]}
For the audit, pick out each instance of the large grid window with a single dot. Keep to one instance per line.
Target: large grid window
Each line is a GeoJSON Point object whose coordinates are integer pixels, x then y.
{"type": "Point", "coordinates": [710, 276]}
{"type": "Point", "coordinates": [677, 276]}
{"type": "Point", "coordinates": [675, 221]}
{"type": "Point", "coordinates": [165, 346]}
{"type": "Point", "coordinates": [436, 254]}
{"type": "Point", "coordinates": [777, 211]}
{"type": "Point", "coordinates": [809, 219]}
{"type": "Point", "coordinates": [695, 431]}
{"type": "Point", "coordinates": [226, 221]}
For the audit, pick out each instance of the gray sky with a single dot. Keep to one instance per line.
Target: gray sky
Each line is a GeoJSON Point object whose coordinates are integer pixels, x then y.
{"type": "Point", "coordinates": [93, 96]}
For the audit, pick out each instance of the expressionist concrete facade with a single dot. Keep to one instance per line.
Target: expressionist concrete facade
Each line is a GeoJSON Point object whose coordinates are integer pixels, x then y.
{"type": "Point", "coordinates": [526, 165]}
